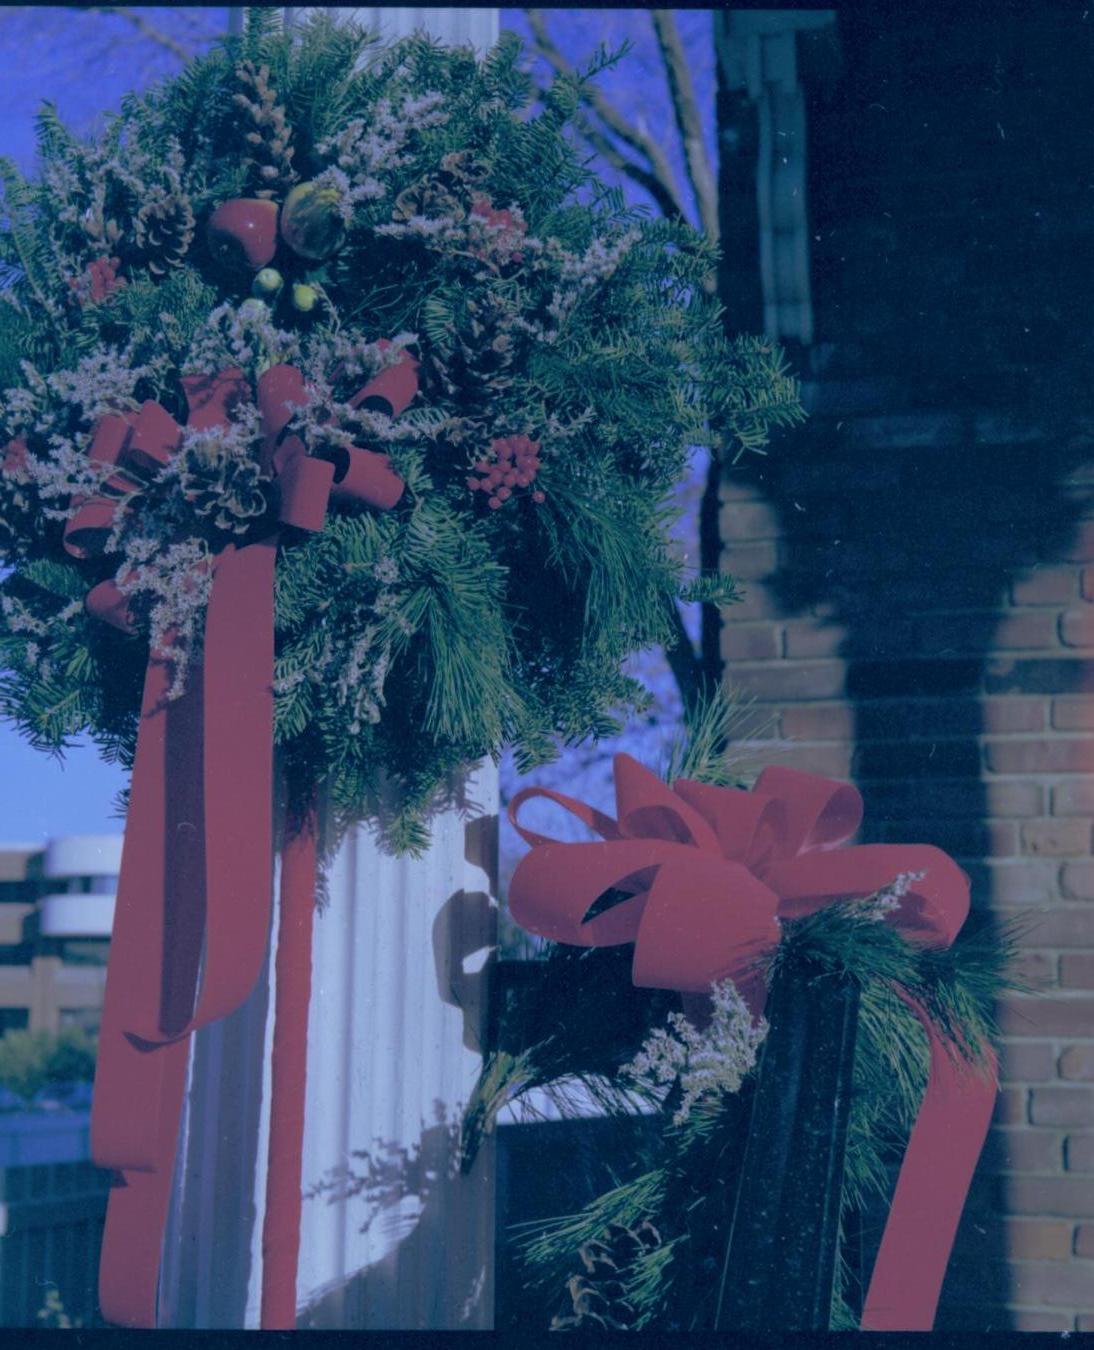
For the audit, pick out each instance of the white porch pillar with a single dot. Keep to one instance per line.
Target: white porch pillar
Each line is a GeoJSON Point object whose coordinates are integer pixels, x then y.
{"type": "Point", "coordinates": [761, 55]}
{"type": "Point", "coordinates": [393, 1237]}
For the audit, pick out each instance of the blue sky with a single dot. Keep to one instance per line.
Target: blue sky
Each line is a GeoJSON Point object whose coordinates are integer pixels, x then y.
{"type": "Point", "coordinates": [84, 62]}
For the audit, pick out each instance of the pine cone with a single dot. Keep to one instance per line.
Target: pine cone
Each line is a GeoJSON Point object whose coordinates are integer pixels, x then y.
{"type": "Point", "coordinates": [269, 137]}
{"type": "Point", "coordinates": [428, 197]}
{"type": "Point", "coordinates": [461, 166]}
{"type": "Point", "coordinates": [598, 1298]}
{"type": "Point", "coordinates": [483, 349]}
{"type": "Point", "coordinates": [164, 230]}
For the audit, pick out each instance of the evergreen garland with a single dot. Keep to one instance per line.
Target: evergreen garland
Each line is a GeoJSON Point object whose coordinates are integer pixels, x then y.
{"type": "Point", "coordinates": [470, 232]}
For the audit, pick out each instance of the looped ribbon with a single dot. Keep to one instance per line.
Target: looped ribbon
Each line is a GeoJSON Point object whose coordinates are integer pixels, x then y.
{"type": "Point", "coordinates": [710, 873]}
{"type": "Point", "coordinates": [192, 915]}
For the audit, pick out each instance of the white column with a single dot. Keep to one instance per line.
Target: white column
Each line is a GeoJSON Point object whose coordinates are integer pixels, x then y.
{"type": "Point", "coordinates": [452, 25]}
{"type": "Point", "coordinates": [393, 1236]}
{"type": "Point", "coordinates": [762, 57]}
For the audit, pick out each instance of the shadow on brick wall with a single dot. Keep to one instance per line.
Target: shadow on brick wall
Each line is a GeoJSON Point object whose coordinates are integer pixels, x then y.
{"type": "Point", "coordinates": [911, 550]}
{"type": "Point", "coordinates": [930, 511]}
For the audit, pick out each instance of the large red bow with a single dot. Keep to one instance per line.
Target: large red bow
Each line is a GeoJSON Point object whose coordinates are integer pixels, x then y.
{"type": "Point", "coordinates": [710, 874]}
{"type": "Point", "coordinates": [193, 907]}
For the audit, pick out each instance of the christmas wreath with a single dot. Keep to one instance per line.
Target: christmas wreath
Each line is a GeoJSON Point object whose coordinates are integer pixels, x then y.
{"type": "Point", "coordinates": [524, 363]}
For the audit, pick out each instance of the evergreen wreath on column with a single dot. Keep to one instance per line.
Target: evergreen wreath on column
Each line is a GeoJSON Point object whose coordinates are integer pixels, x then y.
{"type": "Point", "coordinates": [429, 209]}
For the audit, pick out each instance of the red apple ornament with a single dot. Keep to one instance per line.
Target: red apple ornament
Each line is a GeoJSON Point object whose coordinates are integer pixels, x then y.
{"type": "Point", "coordinates": [242, 232]}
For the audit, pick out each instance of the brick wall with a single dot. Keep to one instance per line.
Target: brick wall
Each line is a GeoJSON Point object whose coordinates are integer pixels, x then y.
{"type": "Point", "coordinates": [919, 563]}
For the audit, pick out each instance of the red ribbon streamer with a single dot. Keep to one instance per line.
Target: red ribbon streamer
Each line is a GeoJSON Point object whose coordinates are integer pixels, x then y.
{"type": "Point", "coordinates": [711, 872]}
{"type": "Point", "coordinates": [193, 906]}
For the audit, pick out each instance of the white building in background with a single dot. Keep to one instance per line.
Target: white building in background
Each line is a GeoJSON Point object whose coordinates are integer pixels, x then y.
{"type": "Point", "coordinates": [56, 912]}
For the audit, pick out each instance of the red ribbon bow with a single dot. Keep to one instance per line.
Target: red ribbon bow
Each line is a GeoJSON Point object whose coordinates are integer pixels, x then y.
{"type": "Point", "coordinates": [711, 872]}
{"type": "Point", "coordinates": [193, 907]}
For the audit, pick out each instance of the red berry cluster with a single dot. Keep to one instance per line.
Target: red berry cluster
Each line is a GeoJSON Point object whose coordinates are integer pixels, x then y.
{"type": "Point", "coordinates": [511, 228]}
{"type": "Point", "coordinates": [100, 279]}
{"type": "Point", "coordinates": [513, 464]}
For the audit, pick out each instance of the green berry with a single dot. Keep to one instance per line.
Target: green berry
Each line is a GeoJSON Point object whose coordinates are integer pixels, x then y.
{"type": "Point", "coordinates": [267, 283]}
{"type": "Point", "coordinates": [304, 298]}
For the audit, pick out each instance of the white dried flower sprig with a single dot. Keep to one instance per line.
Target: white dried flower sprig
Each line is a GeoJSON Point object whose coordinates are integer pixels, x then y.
{"type": "Point", "coordinates": [244, 336]}
{"type": "Point", "coordinates": [886, 901]}
{"type": "Point", "coordinates": [175, 580]}
{"type": "Point", "coordinates": [339, 356]}
{"type": "Point", "coordinates": [715, 1059]}
{"type": "Point", "coordinates": [102, 382]}
{"type": "Point", "coordinates": [366, 149]}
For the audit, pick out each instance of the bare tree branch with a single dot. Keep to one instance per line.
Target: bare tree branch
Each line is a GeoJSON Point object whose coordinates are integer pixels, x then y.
{"type": "Point", "coordinates": [688, 121]}
{"type": "Point", "coordinates": [638, 173]}
{"type": "Point", "coordinates": [145, 28]}
{"type": "Point", "coordinates": [659, 169]}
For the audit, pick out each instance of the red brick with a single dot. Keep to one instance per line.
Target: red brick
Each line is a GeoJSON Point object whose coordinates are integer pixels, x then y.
{"type": "Point", "coordinates": [1041, 756]}
{"type": "Point", "coordinates": [1066, 1196]}
{"type": "Point", "coordinates": [1088, 583]}
{"type": "Point", "coordinates": [813, 639]}
{"type": "Point", "coordinates": [736, 490]}
{"type": "Point", "coordinates": [1062, 1285]}
{"type": "Point", "coordinates": [819, 722]}
{"type": "Point", "coordinates": [1077, 628]}
{"type": "Point", "coordinates": [756, 602]}
{"type": "Point", "coordinates": [1077, 879]}
{"type": "Point", "coordinates": [1011, 1106]}
{"type": "Point", "coordinates": [1077, 1063]}
{"type": "Point", "coordinates": [1043, 1016]}
{"type": "Point", "coordinates": [1050, 673]}
{"type": "Point", "coordinates": [750, 562]}
{"type": "Point", "coordinates": [1062, 1106]}
{"type": "Point", "coordinates": [1044, 586]}
{"type": "Point", "coordinates": [952, 634]}
{"type": "Point", "coordinates": [1035, 969]}
{"type": "Point", "coordinates": [747, 520]}
{"type": "Point", "coordinates": [1084, 1240]}
{"type": "Point", "coordinates": [1077, 972]}
{"type": "Point", "coordinates": [970, 840]}
{"type": "Point", "coordinates": [1021, 1149]}
{"type": "Point", "coordinates": [1027, 1062]}
{"type": "Point", "coordinates": [1063, 926]}
{"type": "Point", "coordinates": [1026, 1319]}
{"type": "Point", "coordinates": [1079, 1153]}
{"type": "Point", "coordinates": [1073, 714]}
{"type": "Point", "coordinates": [750, 641]}
{"type": "Point", "coordinates": [1001, 715]}
{"type": "Point", "coordinates": [1024, 632]}
{"type": "Point", "coordinates": [833, 761]}
{"type": "Point", "coordinates": [1073, 799]}
{"type": "Point", "coordinates": [1055, 838]}
{"type": "Point", "coordinates": [1012, 797]}
{"type": "Point", "coordinates": [1039, 1239]}
{"type": "Point", "coordinates": [1081, 548]}
{"type": "Point", "coordinates": [1023, 883]}
{"type": "Point", "coordinates": [775, 682]}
